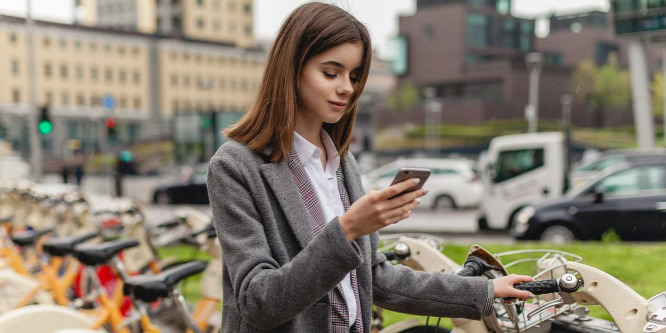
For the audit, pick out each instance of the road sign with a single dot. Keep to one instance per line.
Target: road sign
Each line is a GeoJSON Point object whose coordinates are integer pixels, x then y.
{"type": "Point", "coordinates": [108, 102]}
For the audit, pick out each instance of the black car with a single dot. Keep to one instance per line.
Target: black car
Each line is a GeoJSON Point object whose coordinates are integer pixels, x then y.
{"type": "Point", "coordinates": [630, 199]}
{"type": "Point", "coordinates": [192, 191]}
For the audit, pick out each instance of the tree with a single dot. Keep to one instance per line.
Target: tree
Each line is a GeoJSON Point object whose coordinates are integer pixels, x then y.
{"type": "Point", "coordinates": [602, 88]}
{"type": "Point", "coordinates": [403, 97]}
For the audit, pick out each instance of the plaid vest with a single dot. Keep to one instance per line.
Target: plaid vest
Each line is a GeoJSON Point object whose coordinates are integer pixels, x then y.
{"type": "Point", "coordinates": [338, 306]}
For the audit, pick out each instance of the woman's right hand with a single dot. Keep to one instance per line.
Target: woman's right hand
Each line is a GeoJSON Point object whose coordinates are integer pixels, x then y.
{"type": "Point", "coordinates": [375, 210]}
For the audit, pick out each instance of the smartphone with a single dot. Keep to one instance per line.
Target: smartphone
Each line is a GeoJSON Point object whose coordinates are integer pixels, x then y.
{"type": "Point", "coordinates": [407, 173]}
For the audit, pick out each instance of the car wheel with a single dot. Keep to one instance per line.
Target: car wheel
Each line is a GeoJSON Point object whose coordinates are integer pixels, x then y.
{"type": "Point", "coordinates": [444, 202]}
{"type": "Point", "coordinates": [162, 198]}
{"type": "Point", "coordinates": [558, 234]}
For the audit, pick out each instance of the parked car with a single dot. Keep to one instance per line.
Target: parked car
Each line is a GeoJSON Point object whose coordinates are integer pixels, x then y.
{"type": "Point", "coordinates": [453, 183]}
{"type": "Point", "coordinates": [191, 191]}
{"type": "Point", "coordinates": [629, 198]}
{"type": "Point", "coordinates": [607, 159]}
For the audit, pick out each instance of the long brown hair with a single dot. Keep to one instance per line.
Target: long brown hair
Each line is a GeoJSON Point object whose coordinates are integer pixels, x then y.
{"type": "Point", "coordinates": [311, 29]}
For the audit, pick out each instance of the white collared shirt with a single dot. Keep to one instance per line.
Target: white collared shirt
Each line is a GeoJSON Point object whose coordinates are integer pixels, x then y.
{"type": "Point", "coordinates": [325, 185]}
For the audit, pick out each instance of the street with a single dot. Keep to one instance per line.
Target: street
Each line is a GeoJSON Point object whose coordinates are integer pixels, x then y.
{"type": "Point", "coordinates": [458, 226]}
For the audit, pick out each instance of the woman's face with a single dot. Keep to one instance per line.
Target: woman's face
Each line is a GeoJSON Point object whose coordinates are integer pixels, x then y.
{"type": "Point", "coordinates": [327, 83]}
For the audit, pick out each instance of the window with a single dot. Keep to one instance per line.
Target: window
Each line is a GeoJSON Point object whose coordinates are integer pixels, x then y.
{"type": "Point", "coordinates": [200, 23]}
{"type": "Point", "coordinates": [247, 8]}
{"type": "Point", "coordinates": [635, 181]}
{"type": "Point", "coordinates": [526, 31]}
{"type": "Point", "coordinates": [174, 80]}
{"type": "Point", "coordinates": [15, 66]}
{"type": "Point", "coordinates": [510, 34]}
{"type": "Point", "coordinates": [93, 46]}
{"type": "Point", "coordinates": [122, 102]}
{"type": "Point", "coordinates": [477, 30]}
{"type": "Point", "coordinates": [428, 32]}
{"type": "Point", "coordinates": [186, 81]}
{"type": "Point", "coordinates": [16, 96]}
{"type": "Point", "coordinates": [80, 100]}
{"type": "Point", "coordinates": [47, 70]}
{"type": "Point", "coordinates": [137, 102]}
{"type": "Point", "coordinates": [63, 71]}
{"type": "Point", "coordinates": [108, 75]}
{"type": "Point", "coordinates": [513, 163]}
{"type": "Point", "coordinates": [12, 38]}
{"type": "Point", "coordinates": [136, 77]}
{"type": "Point", "coordinates": [122, 76]}
{"type": "Point", "coordinates": [200, 3]}
{"type": "Point", "coordinates": [79, 72]}
{"type": "Point", "coordinates": [46, 42]}
{"type": "Point", "coordinates": [63, 43]}
{"type": "Point", "coordinates": [65, 98]}
{"type": "Point", "coordinates": [48, 97]}
{"type": "Point", "coordinates": [93, 73]}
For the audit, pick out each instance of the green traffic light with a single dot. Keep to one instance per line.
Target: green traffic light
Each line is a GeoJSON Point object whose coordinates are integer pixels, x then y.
{"type": "Point", "coordinates": [45, 127]}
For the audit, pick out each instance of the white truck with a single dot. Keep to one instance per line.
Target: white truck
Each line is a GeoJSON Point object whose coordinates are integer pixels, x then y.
{"type": "Point", "coordinates": [520, 170]}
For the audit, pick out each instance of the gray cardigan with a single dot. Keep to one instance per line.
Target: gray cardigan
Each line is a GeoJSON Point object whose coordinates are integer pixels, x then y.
{"type": "Point", "coordinates": [276, 273]}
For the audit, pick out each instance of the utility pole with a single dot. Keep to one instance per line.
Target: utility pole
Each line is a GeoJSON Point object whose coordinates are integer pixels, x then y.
{"type": "Point", "coordinates": [534, 62]}
{"type": "Point", "coordinates": [640, 93]}
{"type": "Point", "coordinates": [35, 139]}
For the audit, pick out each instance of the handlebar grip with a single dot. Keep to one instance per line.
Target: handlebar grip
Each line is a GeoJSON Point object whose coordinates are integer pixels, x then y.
{"type": "Point", "coordinates": [539, 287]}
{"type": "Point", "coordinates": [467, 271]}
{"type": "Point", "coordinates": [390, 255]}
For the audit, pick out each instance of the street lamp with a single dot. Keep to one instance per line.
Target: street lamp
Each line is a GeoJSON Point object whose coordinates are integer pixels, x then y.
{"type": "Point", "coordinates": [534, 62]}
{"type": "Point", "coordinates": [567, 101]}
{"type": "Point", "coordinates": [433, 115]}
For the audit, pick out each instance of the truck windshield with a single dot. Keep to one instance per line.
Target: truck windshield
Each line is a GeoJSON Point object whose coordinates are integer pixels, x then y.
{"type": "Point", "coordinates": [513, 163]}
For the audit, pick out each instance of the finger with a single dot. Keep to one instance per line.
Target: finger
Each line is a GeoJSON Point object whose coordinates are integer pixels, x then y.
{"type": "Point", "coordinates": [400, 210]}
{"type": "Point", "coordinates": [398, 188]}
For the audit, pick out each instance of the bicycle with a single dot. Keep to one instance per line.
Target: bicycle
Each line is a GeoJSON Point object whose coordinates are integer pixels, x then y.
{"type": "Point", "coordinates": [563, 288]}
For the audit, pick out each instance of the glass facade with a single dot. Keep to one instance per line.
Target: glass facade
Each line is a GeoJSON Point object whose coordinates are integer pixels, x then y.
{"type": "Point", "coordinates": [499, 32]}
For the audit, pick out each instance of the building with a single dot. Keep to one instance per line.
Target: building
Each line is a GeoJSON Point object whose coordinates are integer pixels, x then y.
{"type": "Point", "coordinates": [471, 55]}
{"type": "Point", "coordinates": [146, 80]}
{"type": "Point", "coordinates": [224, 21]}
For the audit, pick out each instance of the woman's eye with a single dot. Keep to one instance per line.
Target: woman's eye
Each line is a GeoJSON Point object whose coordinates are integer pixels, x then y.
{"type": "Point", "coordinates": [355, 79]}
{"type": "Point", "coordinates": [330, 75]}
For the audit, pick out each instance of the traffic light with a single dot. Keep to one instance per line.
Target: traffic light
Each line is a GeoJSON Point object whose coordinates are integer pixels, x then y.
{"type": "Point", "coordinates": [45, 125]}
{"type": "Point", "coordinates": [110, 124]}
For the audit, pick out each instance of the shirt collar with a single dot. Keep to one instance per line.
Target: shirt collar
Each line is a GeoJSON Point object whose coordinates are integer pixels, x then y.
{"type": "Point", "coordinates": [307, 151]}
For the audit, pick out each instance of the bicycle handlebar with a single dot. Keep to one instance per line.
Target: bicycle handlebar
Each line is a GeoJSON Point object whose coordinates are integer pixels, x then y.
{"type": "Point", "coordinates": [568, 283]}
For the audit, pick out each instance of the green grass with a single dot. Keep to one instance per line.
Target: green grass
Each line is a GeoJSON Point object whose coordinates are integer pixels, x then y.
{"type": "Point", "coordinates": [637, 265]}
{"type": "Point", "coordinates": [634, 264]}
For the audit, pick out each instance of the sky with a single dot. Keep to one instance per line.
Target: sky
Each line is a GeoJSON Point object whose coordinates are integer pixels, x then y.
{"type": "Point", "coordinates": [380, 16]}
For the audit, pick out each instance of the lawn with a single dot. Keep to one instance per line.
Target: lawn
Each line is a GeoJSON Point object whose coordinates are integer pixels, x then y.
{"type": "Point", "coordinates": [636, 264]}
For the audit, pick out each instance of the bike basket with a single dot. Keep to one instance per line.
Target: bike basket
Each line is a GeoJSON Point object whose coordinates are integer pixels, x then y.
{"type": "Point", "coordinates": [541, 264]}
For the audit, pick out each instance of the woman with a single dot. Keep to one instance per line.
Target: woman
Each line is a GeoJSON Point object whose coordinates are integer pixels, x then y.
{"type": "Point", "coordinates": [298, 234]}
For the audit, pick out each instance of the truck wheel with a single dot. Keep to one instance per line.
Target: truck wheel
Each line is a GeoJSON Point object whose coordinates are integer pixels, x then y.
{"type": "Point", "coordinates": [558, 234]}
{"type": "Point", "coordinates": [482, 223]}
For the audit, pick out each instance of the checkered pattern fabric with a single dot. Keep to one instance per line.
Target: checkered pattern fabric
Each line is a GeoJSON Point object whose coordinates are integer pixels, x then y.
{"type": "Point", "coordinates": [338, 306]}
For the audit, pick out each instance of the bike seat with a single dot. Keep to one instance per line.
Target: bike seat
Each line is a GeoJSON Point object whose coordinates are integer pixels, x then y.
{"type": "Point", "coordinates": [97, 254]}
{"type": "Point", "coordinates": [60, 247]}
{"type": "Point", "coordinates": [149, 288]}
{"type": "Point", "coordinates": [26, 238]}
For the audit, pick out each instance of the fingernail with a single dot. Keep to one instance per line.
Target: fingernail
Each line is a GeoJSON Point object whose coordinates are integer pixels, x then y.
{"type": "Point", "coordinates": [418, 200]}
{"type": "Point", "coordinates": [531, 296]}
{"type": "Point", "coordinates": [416, 180]}
{"type": "Point", "coordinates": [425, 192]}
